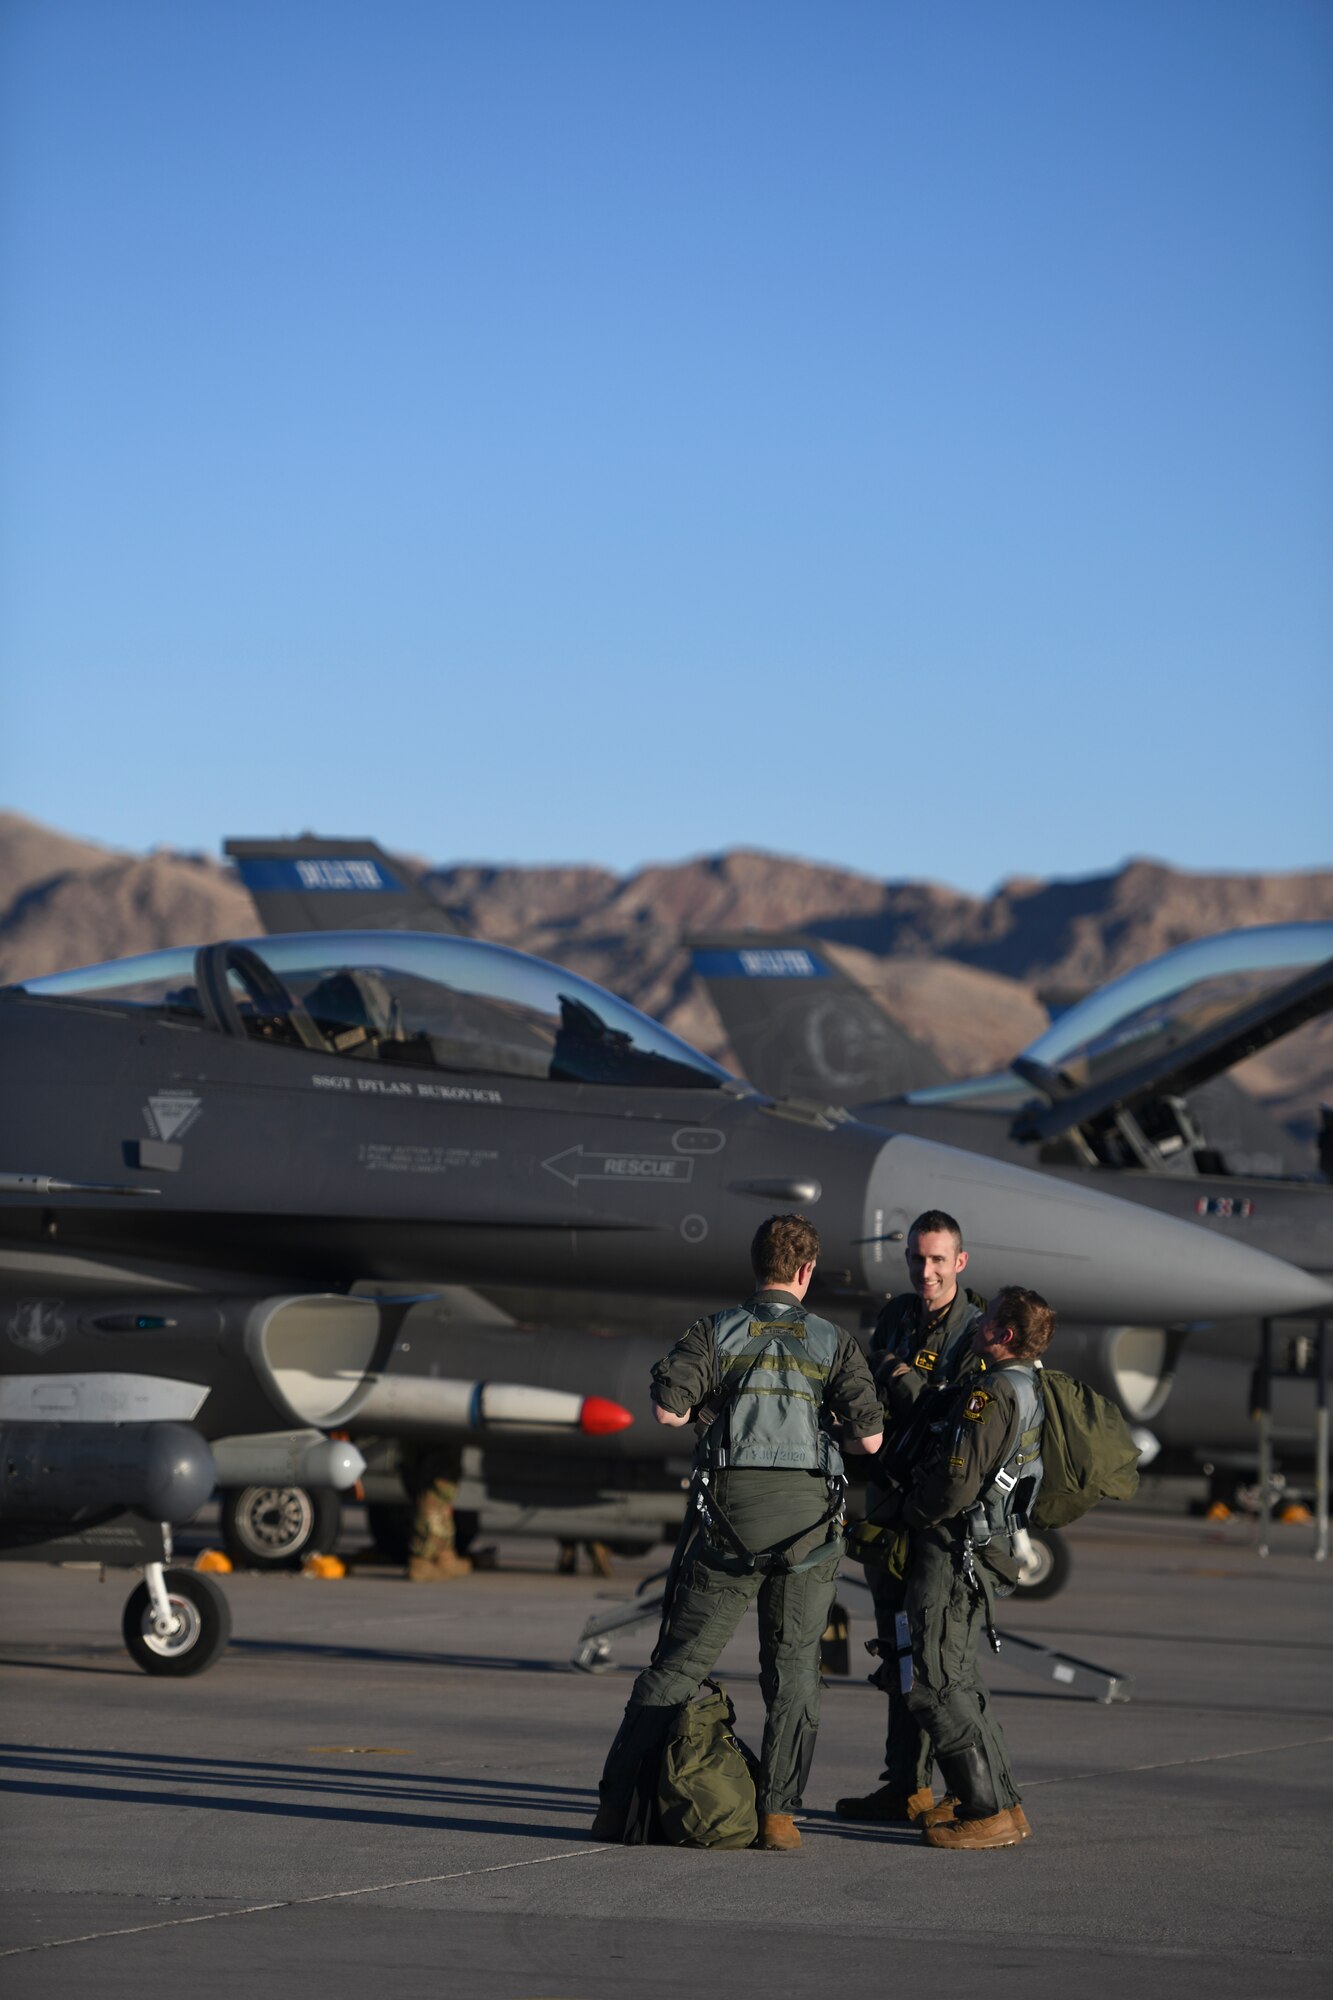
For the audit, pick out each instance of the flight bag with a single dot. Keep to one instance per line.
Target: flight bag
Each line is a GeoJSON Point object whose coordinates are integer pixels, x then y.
{"type": "Point", "coordinates": [1087, 1452]}
{"type": "Point", "coordinates": [700, 1791]}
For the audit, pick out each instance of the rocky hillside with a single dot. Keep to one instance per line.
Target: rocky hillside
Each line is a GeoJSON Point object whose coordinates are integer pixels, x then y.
{"type": "Point", "coordinates": [971, 976]}
{"type": "Point", "coordinates": [1063, 938]}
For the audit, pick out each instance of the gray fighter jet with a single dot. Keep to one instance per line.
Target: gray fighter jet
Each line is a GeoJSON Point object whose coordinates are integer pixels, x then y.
{"type": "Point", "coordinates": [249, 1191]}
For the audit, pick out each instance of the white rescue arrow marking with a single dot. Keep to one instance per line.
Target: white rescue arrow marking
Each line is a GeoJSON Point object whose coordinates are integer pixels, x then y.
{"type": "Point", "coordinates": [577, 1164]}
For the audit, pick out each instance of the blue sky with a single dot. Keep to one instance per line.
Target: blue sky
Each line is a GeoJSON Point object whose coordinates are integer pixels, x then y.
{"type": "Point", "coordinates": [897, 433]}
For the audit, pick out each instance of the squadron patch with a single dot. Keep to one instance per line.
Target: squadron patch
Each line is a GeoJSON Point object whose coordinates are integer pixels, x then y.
{"type": "Point", "coordinates": [978, 1405]}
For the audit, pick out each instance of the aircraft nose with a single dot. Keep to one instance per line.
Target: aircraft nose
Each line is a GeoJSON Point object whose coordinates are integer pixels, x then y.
{"type": "Point", "coordinates": [1091, 1255]}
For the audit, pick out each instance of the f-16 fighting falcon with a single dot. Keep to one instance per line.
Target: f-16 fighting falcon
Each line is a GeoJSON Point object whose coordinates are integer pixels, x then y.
{"type": "Point", "coordinates": [230, 1172]}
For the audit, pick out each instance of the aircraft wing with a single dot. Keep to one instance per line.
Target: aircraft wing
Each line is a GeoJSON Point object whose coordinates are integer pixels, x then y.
{"type": "Point", "coordinates": [1176, 1071]}
{"type": "Point", "coordinates": [334, 885]}
{"type": "Point", "coordinates": [800, 1027]}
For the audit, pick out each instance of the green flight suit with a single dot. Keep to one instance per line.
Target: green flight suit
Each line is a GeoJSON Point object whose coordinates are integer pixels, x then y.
{"type": "Point", "coordinates": [946, 1608]}
{"type": "Point", "coordinates": [904, 1331]}
{"type": "Point", "coordinates": [776, 1512]}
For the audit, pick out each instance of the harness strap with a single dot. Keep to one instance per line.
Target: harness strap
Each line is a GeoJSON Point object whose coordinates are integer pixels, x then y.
{"type": "Point", "coordinates": [690, 1530]}
{"type": "Point", "coordinates": [979, 1583]}
{"type": "Point", "coordinates": [715, 1522]}
{"type": "Point", "coordinates": [745, 1364]}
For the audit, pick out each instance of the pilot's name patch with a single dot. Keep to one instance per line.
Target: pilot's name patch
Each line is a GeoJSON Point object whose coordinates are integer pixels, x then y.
{"type": "Point", "coordinates": [369, 1086]}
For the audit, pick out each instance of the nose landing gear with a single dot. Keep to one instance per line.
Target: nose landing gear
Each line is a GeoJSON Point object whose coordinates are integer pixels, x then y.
{"type": "Point", "coordinates": [175, 1622]}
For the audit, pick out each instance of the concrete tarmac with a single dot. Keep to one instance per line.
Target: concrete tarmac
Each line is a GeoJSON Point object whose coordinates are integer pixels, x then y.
{"type": "Point", "coordinates": [386, 1788]}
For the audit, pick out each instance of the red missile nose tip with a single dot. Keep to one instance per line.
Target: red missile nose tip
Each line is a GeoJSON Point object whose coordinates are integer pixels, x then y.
{"type": "Point", "coordinates": [599, 1417]}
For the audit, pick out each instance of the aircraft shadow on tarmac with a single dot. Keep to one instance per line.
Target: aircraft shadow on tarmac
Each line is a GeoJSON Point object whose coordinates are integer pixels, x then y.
{"type": "Point", "coordinates": [58, 1774]}
{"type": "Point", "coordinates": [491, 1663]}
{"type": "Point", "coordinates": [15, 1658]}
{"type": "Point", "coordinates": [60, 1771]}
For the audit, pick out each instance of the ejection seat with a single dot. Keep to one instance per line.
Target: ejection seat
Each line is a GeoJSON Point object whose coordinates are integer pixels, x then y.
{"type": "Point", "coordinates": [355, 1011]}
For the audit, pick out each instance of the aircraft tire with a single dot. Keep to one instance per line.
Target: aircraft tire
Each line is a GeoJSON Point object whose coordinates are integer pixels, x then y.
{"type": "Point", "coordinates": [1049, 1569]}
{"type": "Point", "coordinates": [204, 1628]}
{"type": "Point", "coordinates": [277, 1527]}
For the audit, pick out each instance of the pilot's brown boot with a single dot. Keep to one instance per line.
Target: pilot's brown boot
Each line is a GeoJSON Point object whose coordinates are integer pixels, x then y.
{"type": "Point", "coordinates": [442, 1568]}
{"type": "Point", "coordinates": [600, 1556]}
{"type": "Point", "coordinates": [778, 1833]}
{"type": "Point", "coordinates": [999, 1829]}
{"type": "Point", "coordinates": [890, 1805]}
{"type": "Point", "coordinates": [947, 1810]}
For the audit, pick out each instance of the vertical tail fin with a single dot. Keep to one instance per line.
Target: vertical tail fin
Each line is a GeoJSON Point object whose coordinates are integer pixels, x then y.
{"type": "Point", "coordinates": [800, 1027]}
{"type": "Point", "coordinates": [333, 885]}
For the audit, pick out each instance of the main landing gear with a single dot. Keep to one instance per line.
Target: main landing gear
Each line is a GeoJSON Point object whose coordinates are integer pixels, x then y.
{"type": "Point", "coordinates": [277, 1527]}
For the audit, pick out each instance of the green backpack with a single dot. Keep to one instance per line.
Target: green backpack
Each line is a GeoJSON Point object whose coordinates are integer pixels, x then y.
{"type": "Point", "coordinates": [705, 1781]}
{"type": "Point", "coordinates": [1087, 1453]}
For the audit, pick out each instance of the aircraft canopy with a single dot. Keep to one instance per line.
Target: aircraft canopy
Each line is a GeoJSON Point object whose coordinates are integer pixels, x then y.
{"type": "Point", "coordinates": [1157, 1007]}
{"type": "Point", "coordinates": [423, 1000]}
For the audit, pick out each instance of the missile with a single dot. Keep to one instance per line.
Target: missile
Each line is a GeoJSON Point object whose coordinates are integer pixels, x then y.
{"type": "Point", "coordinates": [265, 1379]}
{"type": "Point", "coordinates": [308, 1359]}
{"type": "Point", "coordinates": [414, 1405]}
